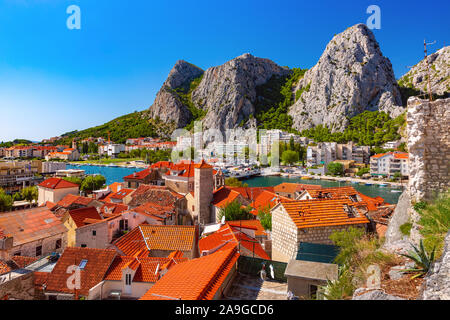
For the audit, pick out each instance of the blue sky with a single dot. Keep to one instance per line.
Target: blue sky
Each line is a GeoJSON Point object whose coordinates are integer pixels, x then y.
{"type": "Point", "coordinates": [54, 80]}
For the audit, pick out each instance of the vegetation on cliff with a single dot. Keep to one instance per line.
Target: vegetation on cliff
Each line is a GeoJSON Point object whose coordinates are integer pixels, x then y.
{"type": "Point", "coordinates": [132, 125]}
{"type": "Point", "coordinates": [372, 128]}
{"type": "Point", "coordinates": [274, 99]}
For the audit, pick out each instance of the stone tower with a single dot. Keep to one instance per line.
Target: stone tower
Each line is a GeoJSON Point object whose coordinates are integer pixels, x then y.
{"type": "Point", "coordinates": [203, 192]}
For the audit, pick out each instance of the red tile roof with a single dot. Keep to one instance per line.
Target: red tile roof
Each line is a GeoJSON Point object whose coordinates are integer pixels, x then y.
{"type": "Point", "coordinates": [57, 183]}
{"type": "Point", "coordinates": [80, 215]}
{"type": "Point", "coordinates": [113, 208]}
{"type": "Point", "coordinates": [4, 267]}
{"type": "Point", "coordinates": [231, 235]}
{"type": "Point", "coordinates": [140, 175]}
{"type": "Point", "coordinates": [322, 213]}
{"type": "Point", "coordinates": [119, 195]}
{"type": "Point", "coordinates": [98, 263]}
{"type": "Point", "coordinates": [223, 196]}
{"type": "Point", "coordinates": [71, 199]}
{"type": "Point", "coordinates": [145, 238]}
{"type": "Point", "coordinates": [197, 279]}
{"type": "Point", "coordinates": [30, 225]}
{"type": "Point", "coordinates": [146, 267]}
{"type": "Point", "coordinates": [254, 224]}
{"type": "Point", "coordinates": [114, 186]}
{"type": "Point", "coordinates": [23, 261]}
{"type": "Point", "coordinates": [251, 192]}
{"type": "Point", "coordinates": [156, 194]}
{"type": "Point", "coordinates": [288, 187]}
{"type": "Point", "coordinates": [266, 199]}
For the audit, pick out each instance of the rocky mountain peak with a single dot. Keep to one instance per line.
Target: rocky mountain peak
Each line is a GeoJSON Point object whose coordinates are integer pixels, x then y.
{"type": "Point", "coordinates": [168, 106]}
{"type": "Point", "coordinates": [350, 77]}
{"type": "Point", "coordinates": [181, 74]}
{"type": "Point", "coordinates": [227, 92]}
{"type": "Point", "coordinates": [417, 77]}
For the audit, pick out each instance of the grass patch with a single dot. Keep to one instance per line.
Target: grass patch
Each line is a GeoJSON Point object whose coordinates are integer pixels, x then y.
{"type": "Point", "coordinates": [358, 251]}
{"type": "Point", "coordinates": [435, 221]}
{"type": "Point", "coordinates": [405, 228]}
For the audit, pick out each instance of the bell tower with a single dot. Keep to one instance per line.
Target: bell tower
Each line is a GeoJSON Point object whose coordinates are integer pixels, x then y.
{"type": "Point", "coordinates": [203, 192]}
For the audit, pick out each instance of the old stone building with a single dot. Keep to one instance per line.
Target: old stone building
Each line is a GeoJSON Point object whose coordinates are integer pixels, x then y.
{"type": "Point", "coordinates": [203, 192]}
{"type": "Point", "coordinates": [34, 232]}
{"type": "Point", "coordinates": [428, 126]}
{"type": "Point", "coordinates": [310, 221]}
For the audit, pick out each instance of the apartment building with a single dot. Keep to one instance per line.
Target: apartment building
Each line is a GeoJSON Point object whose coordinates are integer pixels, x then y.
{"type": "Point", "coordinates": [15, 175]}
{"type": "Point", "coordinates": [390, 163]}
{"type": "Point", "coordinates": [111, 150]}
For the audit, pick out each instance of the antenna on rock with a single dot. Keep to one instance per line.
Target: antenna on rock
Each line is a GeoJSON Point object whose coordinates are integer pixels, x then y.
{"type": "Point", "coordinates": [428, 66]}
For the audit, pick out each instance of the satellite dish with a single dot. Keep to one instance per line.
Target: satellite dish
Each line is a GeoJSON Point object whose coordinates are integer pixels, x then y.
{"type": "Point", "coordinates": [222, 221]}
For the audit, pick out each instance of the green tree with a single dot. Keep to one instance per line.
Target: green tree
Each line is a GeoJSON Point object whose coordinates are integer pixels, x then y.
{"type": "Point", "coordinates": [335, 168]}
{"type": "Point", "coordinates": [362, 171]}
{"type": "Point", "coordinates": [234, 211]}
{"type": "Point", "coordinates": [6, 201]}
{"type": "Point", "coordinates": [92, 183]}
{"type": "Point", "coordinates": [30, 193]}
{"type": "Point", "coordinates": [76, 180]}
{"type": "Point", "coordinates": [397, 176]}
{"type": "Point", "coordinates": [289, 157]}
{"type": "Point", "coordinates": [235, 182]}
{"type": "Point", "coordinates": [265, 217]}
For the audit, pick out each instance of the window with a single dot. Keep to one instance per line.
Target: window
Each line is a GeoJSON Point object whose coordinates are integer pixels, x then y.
{"type": "Point", "coordinates": [94, 232]}
{"type": "Point", "coordinates": [83, 264]}
{"type": "Point", "coordinates": [83, 245]}
{"type": "Point", "coordinates": [38, 251]}
{"type": "Point", "coordinates": [128, 279]}
{"type": "Point", "coordinates": [58, 244]}
{"type": "Point", "coordinates": [18, 253]}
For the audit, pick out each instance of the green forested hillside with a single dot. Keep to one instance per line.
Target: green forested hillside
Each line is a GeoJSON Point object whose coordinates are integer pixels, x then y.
{"type": "Point", "coordinates": [274, 99]}
{"type": "Point", "coordinates": [133, 125]}
{"type": "Point", "coordinates": [371, 128]}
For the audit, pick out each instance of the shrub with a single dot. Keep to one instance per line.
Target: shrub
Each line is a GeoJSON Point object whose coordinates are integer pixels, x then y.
{"type": "Point", "coordinates": [234, 211]}
{"type": "Point", "coordinates": [405, 228]}
{"type": "Point", "coordinates": [435, 221]}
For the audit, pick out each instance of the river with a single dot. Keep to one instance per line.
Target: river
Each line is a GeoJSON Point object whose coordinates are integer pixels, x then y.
{"type": "Point", "coordinates": [116, 174]}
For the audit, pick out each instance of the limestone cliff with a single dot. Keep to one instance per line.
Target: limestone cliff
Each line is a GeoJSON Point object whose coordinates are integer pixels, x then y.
{"type": "Point", "coordinates": [227, 92]}
{"type": "Point", "coordinates": [168, 106]}
{"type": "Point", "coordinates": [439, 64]}
{"type": "Point", "coordinates": [350, 77]}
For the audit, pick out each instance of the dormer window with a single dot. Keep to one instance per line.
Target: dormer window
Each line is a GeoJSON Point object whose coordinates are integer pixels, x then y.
{"type": "Point", "coordinates": [128, 279]}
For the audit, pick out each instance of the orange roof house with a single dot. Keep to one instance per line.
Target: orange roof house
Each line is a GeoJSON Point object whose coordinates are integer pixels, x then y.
{"type": "Point", "coordinates": [204, 278]}
{"type": "Point", "coordinates": [35, 228]}
{"type": "Point", "coordinates": [55, 189]}
{"type": "Point", "coordinates": [57, 183]}
{"type": "Point", "coordinates": [225, 195]}
{"type": "Point", "coordinates": [323, 213]}
{"type": "Point", "coordinates": [291, 190]}
{"type": "Point", "coordinates": [79, 216]}
{"type": "Point", "coordinates": [121, 196]}
{"type": "Point", "coordinates": [93, 264]}
{"type": "Point", "coordinates": [311, 221]}
{"type": "Point", "coordinates": [231, 235]}
{"type": "Point", "coordinates": [72, 201]}
{"type": "Point", "coordinates": [266, 200]}
{"type": "Point", "coordinates": [159, 240]}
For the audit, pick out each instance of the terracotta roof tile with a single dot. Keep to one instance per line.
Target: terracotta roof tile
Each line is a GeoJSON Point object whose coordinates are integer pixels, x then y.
{"type": "Point", "coordinates": [30, 225]}
{"type": "Point", "coordinates": [80, 215]}
{"type": "Point", "coordinates": [322, 213]}
{"type": "Point", "coordinates": [23, 261]}
{"type": "Point", "coordinates": [57, 183]}
{"type": "Point", "coordinates": [144, 238]}
{"type": "Point", "coordinates": [197, 279]}
{"type": "Point", "coordinates": [231, 235]}
{"type": "Point", "coordinates": [98, 262]}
